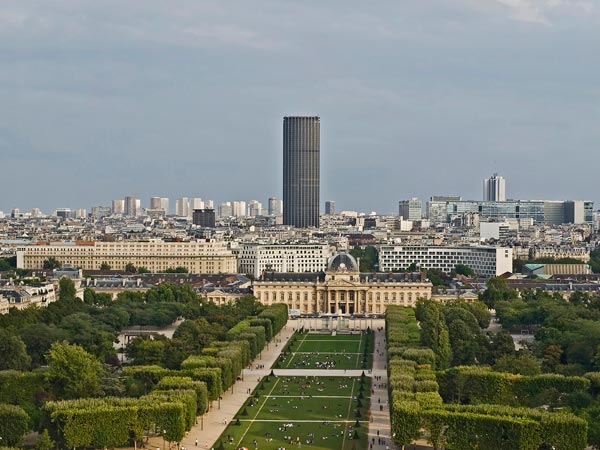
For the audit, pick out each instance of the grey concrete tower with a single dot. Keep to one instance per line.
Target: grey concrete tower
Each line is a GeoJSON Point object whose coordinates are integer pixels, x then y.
{"type": "Point", "coordinates": [301, 170]}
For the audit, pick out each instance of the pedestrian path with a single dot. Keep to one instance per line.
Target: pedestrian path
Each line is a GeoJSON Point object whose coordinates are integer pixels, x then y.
{"type": "Point", "coordinates": [210, 426]}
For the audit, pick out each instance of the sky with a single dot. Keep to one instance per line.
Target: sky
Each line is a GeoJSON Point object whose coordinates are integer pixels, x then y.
{"type": "Point", "coordinates": [103, 99]}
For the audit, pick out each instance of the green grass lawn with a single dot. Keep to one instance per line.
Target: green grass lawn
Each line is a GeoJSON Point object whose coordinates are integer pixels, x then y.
{"type": "Point", "coordinates": [325, 351]}
{"type": "Point", "coordinates": [319, 413]}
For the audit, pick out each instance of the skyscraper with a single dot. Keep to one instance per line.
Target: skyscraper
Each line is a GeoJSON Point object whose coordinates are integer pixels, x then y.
{"type": "Point", "coordinates": [301, 171]}
{"type": "Point", "coordinates": [494, 189]}
{"type": "Point", "coordinates": [131, 208]}
{"type": "Point", "coordinates": [330, 207]}
{"type": "Point", "coordinates": [275, 206]}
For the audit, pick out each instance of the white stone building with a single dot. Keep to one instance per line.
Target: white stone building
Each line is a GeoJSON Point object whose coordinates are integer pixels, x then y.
{"type": "Point", "coordinates": [255, 258]}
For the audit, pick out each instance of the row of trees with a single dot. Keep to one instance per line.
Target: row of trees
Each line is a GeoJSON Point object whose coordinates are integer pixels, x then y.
{"type": "Point", "coordinates": [417, 405]}
{"type": "Point", "coordinates": [84, 406]}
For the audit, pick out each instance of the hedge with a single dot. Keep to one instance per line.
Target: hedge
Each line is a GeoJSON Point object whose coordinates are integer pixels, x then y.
{"type": "Point", "coordinates": [14, 423]}
{"type": "Point", "coordinates": [417, 406]}
{"type": "Point", "coordinates": [179, 383]}
{"type": "Point", "coordinates": [475, 384]}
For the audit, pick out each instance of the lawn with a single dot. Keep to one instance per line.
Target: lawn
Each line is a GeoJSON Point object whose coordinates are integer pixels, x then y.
{"type": "Point", "coordinates": [326, 351]}
{"type": "Point", "coordinates": [319, 413]}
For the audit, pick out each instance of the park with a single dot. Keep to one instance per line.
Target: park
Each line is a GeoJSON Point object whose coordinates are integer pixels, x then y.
{"type": "Point", "coordinates": [328, 409]}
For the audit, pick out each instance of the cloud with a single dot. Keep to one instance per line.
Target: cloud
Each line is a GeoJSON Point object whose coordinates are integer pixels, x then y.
{"type": "Point", "coordinates": [549, 12]}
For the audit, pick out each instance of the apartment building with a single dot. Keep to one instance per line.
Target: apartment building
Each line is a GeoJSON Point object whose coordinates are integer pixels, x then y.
{"type": "Point", "coordinates": [255, 258]}
{"type": "Point", "coordinates": [202, 256]}
{"type": "Point", "coordinates": [485, 261]}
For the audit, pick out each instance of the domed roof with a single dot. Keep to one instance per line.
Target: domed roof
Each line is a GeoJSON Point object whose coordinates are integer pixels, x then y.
{"type": "Point", "coordinates": [342, 262]}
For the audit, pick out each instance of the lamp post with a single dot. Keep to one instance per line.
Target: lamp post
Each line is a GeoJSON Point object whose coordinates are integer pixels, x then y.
{"type": "Point", "coordinates": [163, 435]}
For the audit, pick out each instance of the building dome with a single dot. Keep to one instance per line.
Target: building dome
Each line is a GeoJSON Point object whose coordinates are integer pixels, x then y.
{"type": "Point", "coordinates": [342, 262]}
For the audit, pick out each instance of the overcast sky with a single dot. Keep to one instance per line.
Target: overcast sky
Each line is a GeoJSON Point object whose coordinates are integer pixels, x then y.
{"type": "Point", "coordinates": [102, 99]}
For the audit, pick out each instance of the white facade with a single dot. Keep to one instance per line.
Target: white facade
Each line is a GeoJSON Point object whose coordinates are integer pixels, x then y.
{"type": "Point", "coordinates": [118, 206]}
{"type": "Point", "coordinates": [182, 207]}
{"type": "Point", "coordinates": [492, 230]}
{"type": "Point", "coordinates": [291, 258]}
{"type": "Point", "coordinates": [485, 261]}
{"type": "Point", "coordinates": [22, 297]}
{"type": "Point", "coordinates": [494, 189]}
{"type": "Point", "coordinates": [238, 208]}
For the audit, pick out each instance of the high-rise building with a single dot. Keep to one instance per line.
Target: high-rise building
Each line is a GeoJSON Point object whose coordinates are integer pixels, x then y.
{"type": "Point", "coordinates": [118, 206]}
{"type": "Point", "coordinates": [182, 207]}
{"type": "Point", "coordinates": [196, 203]}
{"type": "Point", "coordinates": [275, 207]}
{"type": "Point", "coordinates": [164, 204]}
{"type": "Point", "coordinates": [155, 203]}
{"type": "Point", "coordinates": [301, 171]}
{"type": "Point", "coordinates": [410, 209]}
{"type": "Point", "coordinates": [225, 209]}
{"type": "Point", "coordinates": [330, 207]}
{"type": "Point", "coordinates": [494, 189]}
{"type": "Point", "coordinates": [131, 206]}
{"type": "Point", "coordinates": [238, 208]}
{"type": "Point", "coordinates": [254, 208]}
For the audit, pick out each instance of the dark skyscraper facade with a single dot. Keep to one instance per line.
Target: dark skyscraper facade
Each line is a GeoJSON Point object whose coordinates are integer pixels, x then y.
{"type": "Point", "coordinates": [301, 171]}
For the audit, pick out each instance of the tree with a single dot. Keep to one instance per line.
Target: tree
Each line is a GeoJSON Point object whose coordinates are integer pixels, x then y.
{"type": "Point", "coordinates": [38, 339]}
{"type": "Point", "coordinates": [129, 267]}
{"type": "Point", "coordinates": [105, 266]}
{"type": "Point", "coordinates": [8, 263]}
{"type": "Point", "coordinates": [178, 269]}
{"type": "Point", "coordinates": [367, 257]}
{"type": "Point", "coordinates": [72, 372]}
{"type": "Point", "coordinates": [523, 364]}
{"type": "Point", "coordinates": [13, 353]}
{"type": "Point", "coordinates": [51, 263]}
{"type": "Point", "coordinates": [66, 289]}
{"type": "Point", "coordinates": [462, 269]}
{"type": "Point", "coordinates": [497, 290]}
{"type": "Point", "coordinates": [14, 423]}
{"type": "Point", "coordinates": [45, 442]}
{"type": "Point", "coordinates": [142, 269]}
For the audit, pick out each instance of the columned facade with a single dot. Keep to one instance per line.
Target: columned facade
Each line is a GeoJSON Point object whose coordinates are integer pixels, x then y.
{"type": "Point", "coordinates": [341, 289]}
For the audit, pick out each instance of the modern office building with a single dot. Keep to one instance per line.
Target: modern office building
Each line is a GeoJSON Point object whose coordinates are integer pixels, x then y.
{"type": "Point", "coordinates": [494, 189]}
{"type": "Point", "coordinates": [330, 207]}
{"type": "Point", "coordinates": [301, 171]}
{"type": "Point", "coordinates": [254, 258]}
{"type": "Point", "coordinates": [485, 261]}
{"type": "Point", "coordinates": [410, 209]}
{"type": "Point", "coordinates": [204, 218]}
{"type": "Point", "coordinates": [442, 210]}
{"type": "Point", "coordinates": [202, 256]}
{"type": "Point", "coordinates": [341, 289]}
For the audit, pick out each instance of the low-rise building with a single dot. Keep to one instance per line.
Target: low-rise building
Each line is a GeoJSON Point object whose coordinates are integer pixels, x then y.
{"type": "Point", "coordinates": [21, 297]}
{"type": "Point", "coordinates": [202, 256]}
{"type": "Point", "coordinates": [341, 289]}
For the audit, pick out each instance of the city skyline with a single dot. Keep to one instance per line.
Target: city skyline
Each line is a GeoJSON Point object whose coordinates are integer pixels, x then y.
{"type": "Point", "coordinates": [190, 99]}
